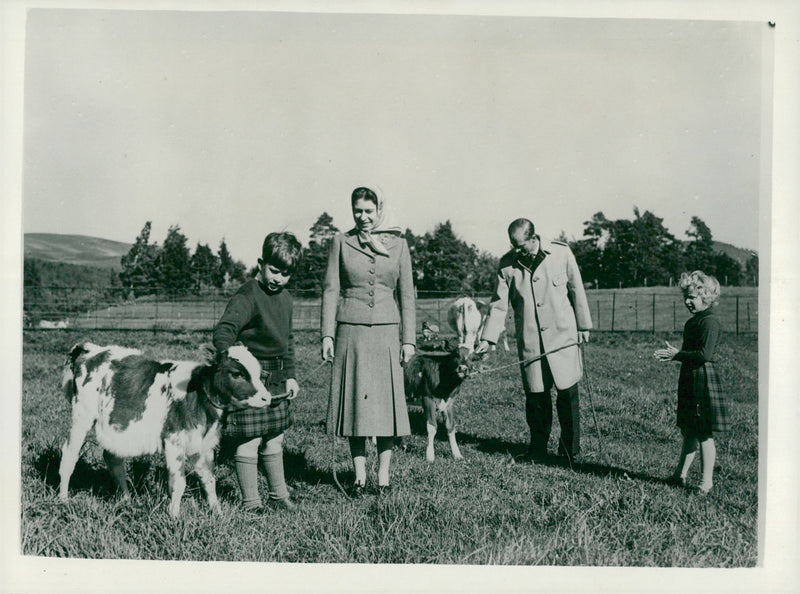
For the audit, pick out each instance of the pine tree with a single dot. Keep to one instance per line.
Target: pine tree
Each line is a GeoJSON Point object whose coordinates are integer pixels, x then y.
{"type": "Point", "coordinates": [311, 271]}
{"type": "Point", "coordinates": [138, 273]}
{"type": "Point", "coordinates": [173, 262]}
{"type": "Point", "coordinates": [204, 266]}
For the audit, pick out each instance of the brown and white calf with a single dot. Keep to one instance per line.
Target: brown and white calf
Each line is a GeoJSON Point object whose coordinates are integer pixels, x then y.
{"type": "Point", "coordinates": [436, 378]}
{"type": "Point", "coordinates": [467, 318]}
{"type": "Point", "coordinates": [140, 406]}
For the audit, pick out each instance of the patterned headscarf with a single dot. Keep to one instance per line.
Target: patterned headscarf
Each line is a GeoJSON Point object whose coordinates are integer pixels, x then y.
{"type": "Point", "coordinates": [367, 237]}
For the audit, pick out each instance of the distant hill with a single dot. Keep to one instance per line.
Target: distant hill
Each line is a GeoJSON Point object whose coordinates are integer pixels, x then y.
{"type": "Point", "coordinates": [738, 254]}
{"type": "Point", "coordinates": [80, 250]}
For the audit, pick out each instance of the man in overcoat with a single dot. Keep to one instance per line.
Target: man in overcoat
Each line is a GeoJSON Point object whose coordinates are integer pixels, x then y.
{"type": "Point", "coordinates": [541, 280]}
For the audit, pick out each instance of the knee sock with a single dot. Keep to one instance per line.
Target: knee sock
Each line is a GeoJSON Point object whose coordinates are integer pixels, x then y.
{"type": "Point", "coordinates": [708, 455]}
{"type": "Point", "coordinates": [384, 459]}
{"type": "Point", "coordinates": [688, 451]}
{"type": "Point", "coordinates": [272, 463]}
{"type": "Point", "coordinates": [358, 451]}
{"type": "Point", "coordinates": [247, 475]}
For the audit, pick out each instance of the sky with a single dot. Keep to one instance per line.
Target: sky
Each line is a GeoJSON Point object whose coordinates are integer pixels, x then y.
{"type": "Point", "coordinates": [232, 125]}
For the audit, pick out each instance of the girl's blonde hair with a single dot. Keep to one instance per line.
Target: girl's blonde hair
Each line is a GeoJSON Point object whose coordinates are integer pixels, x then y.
{"type": "Point", "coordinates": [705, 285]}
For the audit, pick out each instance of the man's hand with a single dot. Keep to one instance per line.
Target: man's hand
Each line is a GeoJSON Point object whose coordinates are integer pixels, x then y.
{"type": "Point", "coordinates": [583, 336]}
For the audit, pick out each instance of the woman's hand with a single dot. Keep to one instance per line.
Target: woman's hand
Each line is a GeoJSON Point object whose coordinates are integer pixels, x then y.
{"type": "Point", "coordinates": [667, 354]}
{"type": "Point", "coordinates": [292, 388]}
{"type": "Point", "coordinates": [406, 352]}
{"type": "Point", "coordinates": [327, 348]}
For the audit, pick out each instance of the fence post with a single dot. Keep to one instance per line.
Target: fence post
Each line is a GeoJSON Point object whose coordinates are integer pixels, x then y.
{"type": "Point", "coordinates": [598, 313]}
{"type": "Point", "coordinates": [737, 315]}
{"type": "Point", "coordinates": [674, 317]}
{"type": "Point", "coordinates": [636, 312]}
{"type": "Point", "coordinates": [654, 313]}
{"type": "Point", "coordinates": [613, 309]}
{"type": "Point", "coordinates": [748, 316]}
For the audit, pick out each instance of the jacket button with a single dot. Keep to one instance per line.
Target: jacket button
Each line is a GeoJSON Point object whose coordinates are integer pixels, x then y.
{"type": "Point", "coordinates": [372, 271]}
{"type": "Point", "coordinates": [371, 292]}
{"type": "Point", "coordinates": [543, 328]}
{"type": "Point", "coordinates": [371, 304]}
{"type": "Point", "coordinates": [535, 278]}
{"type": "Point", "coordinates": [372, 282]}
{"type": "Point", "coordinates": [372, 260]}
{"type": "Point", "coordinates": [540, 304]}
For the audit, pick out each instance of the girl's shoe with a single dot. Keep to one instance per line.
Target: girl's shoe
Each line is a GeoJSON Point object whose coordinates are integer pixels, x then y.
{"type": "Point", "coordinates": [677, 481]}
{"type": "Point", "coordinates": [384, 490]}
{"type": "Point", "coordinates": [701, 490]}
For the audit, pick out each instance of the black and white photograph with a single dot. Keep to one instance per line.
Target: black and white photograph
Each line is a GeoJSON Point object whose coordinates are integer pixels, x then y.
{"type": "Point", "coordinates": [400, 297]}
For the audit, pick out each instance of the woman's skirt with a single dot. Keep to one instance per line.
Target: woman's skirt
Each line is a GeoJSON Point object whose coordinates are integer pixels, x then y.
{"type": "Point", "coordinates": [702, 406]}
{"type": "Point", "coordinates": [269, 421]}
{"type": "Point", "coordinates": [367, 396]}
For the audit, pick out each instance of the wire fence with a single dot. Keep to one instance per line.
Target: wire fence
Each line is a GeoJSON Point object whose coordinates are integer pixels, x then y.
{"type": "Point", "coordinates": [624, 310]}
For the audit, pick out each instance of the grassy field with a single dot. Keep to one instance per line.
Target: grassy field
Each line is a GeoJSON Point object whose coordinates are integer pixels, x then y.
{"type": "Point", "coordinates": [612, 509]}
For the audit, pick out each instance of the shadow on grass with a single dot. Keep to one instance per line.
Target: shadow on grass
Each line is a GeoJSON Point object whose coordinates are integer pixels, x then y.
{"type": "Point", "coordinates": [144, 475]}
{"type": "Point", "coordinates": [584, 465]}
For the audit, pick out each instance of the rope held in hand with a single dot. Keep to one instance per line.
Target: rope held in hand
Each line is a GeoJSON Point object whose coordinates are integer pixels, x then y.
{"type": "Point", "coordinates": [525, 361]}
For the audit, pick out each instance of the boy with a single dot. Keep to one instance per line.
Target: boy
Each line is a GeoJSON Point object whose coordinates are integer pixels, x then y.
{"type": "Point", "coordinates": [259, 316]}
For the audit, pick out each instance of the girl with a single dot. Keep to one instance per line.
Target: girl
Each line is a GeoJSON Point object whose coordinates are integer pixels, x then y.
{"type": "Point", "coordinates": [702, 410]}
{"type": "Point", "coordinates": [367, 266]}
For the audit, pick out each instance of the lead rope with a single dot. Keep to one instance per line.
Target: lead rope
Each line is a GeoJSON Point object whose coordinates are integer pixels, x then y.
{"type": "Point", "coordinates": [590, 390]}
{"type": "Point", "coordinates": [333, 447]}
{"type": "Point", "coordinates": [525, 361]}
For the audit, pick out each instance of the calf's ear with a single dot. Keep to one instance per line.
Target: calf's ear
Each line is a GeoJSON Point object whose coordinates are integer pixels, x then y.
{"type": "Point", "coordinates": [450, 345]}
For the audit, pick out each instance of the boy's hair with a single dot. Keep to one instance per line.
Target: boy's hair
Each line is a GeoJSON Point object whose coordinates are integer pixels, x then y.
{"type": "Point", "coordinates": [282, 250]}
{"type": "Point", "coordinates": [706, 286]}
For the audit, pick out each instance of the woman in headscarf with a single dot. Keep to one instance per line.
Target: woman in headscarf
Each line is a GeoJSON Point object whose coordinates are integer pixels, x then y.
{"type": "Point", "coordinates": [368, 266]}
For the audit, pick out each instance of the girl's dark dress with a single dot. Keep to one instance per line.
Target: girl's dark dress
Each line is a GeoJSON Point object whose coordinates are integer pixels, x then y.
{"type": "Point", "coordinates": [701, 403]}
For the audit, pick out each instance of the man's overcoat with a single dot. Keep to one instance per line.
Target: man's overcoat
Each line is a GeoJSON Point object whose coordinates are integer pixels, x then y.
{"type": "Point", "coordinates": [549, 307]}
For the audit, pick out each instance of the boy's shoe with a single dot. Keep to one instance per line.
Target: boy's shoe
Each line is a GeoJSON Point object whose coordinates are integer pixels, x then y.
{"type": "Point", "coordinates": [384, 490]}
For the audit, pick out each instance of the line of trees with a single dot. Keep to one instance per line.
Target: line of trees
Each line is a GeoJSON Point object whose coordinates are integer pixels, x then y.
{"type": "Point", "coordinates": [611, 254]}
{"type": "Point", "coordinates": [148, 267]}
{"type": "Point", "coordinates": [642, 252]}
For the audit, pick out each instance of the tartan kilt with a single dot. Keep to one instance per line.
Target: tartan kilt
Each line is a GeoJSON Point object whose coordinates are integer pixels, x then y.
{"type": "Point", "coordinates": [269, 421]}
{"type": "Point", "coordinates": [702, 406]}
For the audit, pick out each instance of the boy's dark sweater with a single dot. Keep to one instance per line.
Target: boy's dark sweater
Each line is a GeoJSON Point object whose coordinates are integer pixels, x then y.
{"type": "Point", "coordinates": [260, 320]}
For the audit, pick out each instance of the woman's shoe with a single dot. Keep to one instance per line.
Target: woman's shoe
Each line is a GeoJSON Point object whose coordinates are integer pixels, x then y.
{"type": "Point", "coordinates": [357, 491]}
{"type": "Point", "coordinates": [384, 490]}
